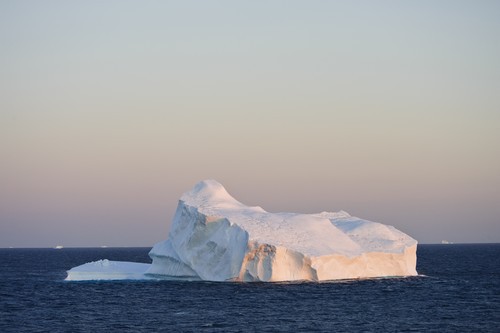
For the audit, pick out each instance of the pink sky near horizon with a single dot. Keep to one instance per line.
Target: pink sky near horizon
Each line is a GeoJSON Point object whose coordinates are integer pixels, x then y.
{"type": "Point", "coordinates": [110, 111]}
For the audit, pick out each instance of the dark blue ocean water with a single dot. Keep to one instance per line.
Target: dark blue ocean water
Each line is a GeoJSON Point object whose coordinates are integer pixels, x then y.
{"type": "Point", "coordinates": [460, 293]}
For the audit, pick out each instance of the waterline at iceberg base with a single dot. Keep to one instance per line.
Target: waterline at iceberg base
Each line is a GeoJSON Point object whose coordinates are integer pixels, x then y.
{"type": "Point", "coordinates": [214, 237]}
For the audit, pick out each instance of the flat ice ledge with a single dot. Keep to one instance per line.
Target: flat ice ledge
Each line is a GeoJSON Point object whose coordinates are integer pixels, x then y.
{"type": "Point", "coordinates": [109, 270]}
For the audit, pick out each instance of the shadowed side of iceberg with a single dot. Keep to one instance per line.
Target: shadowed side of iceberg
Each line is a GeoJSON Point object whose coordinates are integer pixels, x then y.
{"type": "Point", "coordinates": [167, 262]}
{"type": "Point", "coordinates": [209, 247]}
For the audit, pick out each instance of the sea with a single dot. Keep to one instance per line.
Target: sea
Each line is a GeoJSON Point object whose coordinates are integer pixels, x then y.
{"type": "Point", "coordinates": [458, 290]}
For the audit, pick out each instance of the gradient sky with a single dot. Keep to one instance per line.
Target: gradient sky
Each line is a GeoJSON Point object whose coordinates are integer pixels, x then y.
{"type": "Point", "coordinates": [110, 110]}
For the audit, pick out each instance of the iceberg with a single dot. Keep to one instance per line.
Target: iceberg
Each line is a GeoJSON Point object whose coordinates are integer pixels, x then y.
{"type": "Point", "coordinates": [214, 237]}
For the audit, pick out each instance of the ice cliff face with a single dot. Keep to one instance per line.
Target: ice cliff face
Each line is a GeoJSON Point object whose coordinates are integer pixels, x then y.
{"type": "Point", "coordinates": [214, 237]}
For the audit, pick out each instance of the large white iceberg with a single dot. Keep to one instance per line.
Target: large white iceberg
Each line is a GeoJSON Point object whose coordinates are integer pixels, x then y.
{"type": "Point", "coordinates": [215, 237]}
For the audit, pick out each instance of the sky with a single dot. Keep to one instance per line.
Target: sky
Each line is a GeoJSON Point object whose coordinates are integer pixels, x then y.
{"type": "Point", "coordinates": [110, 110]}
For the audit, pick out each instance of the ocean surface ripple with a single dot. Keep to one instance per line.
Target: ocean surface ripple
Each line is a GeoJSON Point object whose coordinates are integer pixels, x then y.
{"type": "Point", "coordinates": [458, 292]}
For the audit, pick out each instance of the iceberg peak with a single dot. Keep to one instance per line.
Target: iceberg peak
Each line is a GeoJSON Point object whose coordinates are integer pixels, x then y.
{"type": "Point", "coordinates": [209, 187]}
{"type": "Point", "coordinates": [209, 192]}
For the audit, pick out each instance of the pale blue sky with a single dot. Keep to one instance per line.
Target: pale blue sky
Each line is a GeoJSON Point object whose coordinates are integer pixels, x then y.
{"type": "Point", "coordinates": [109, 110]}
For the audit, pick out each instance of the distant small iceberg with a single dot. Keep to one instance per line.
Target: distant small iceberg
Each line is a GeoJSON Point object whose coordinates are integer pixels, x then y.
{"type": "Point", "coordinates": [446, 242]}
{"type": "Point", "coordinates": [58, 247]}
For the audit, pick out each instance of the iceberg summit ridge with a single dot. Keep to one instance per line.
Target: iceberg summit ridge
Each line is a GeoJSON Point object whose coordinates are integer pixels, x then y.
{"type": "Point", "coordinates": [214, 237]}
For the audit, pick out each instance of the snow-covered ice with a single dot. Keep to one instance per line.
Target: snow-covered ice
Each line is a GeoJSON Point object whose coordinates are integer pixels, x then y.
{"type": "Point", "coordinates": [215, 237]}
{"type": "Point", "coordinates": [108, 270]}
